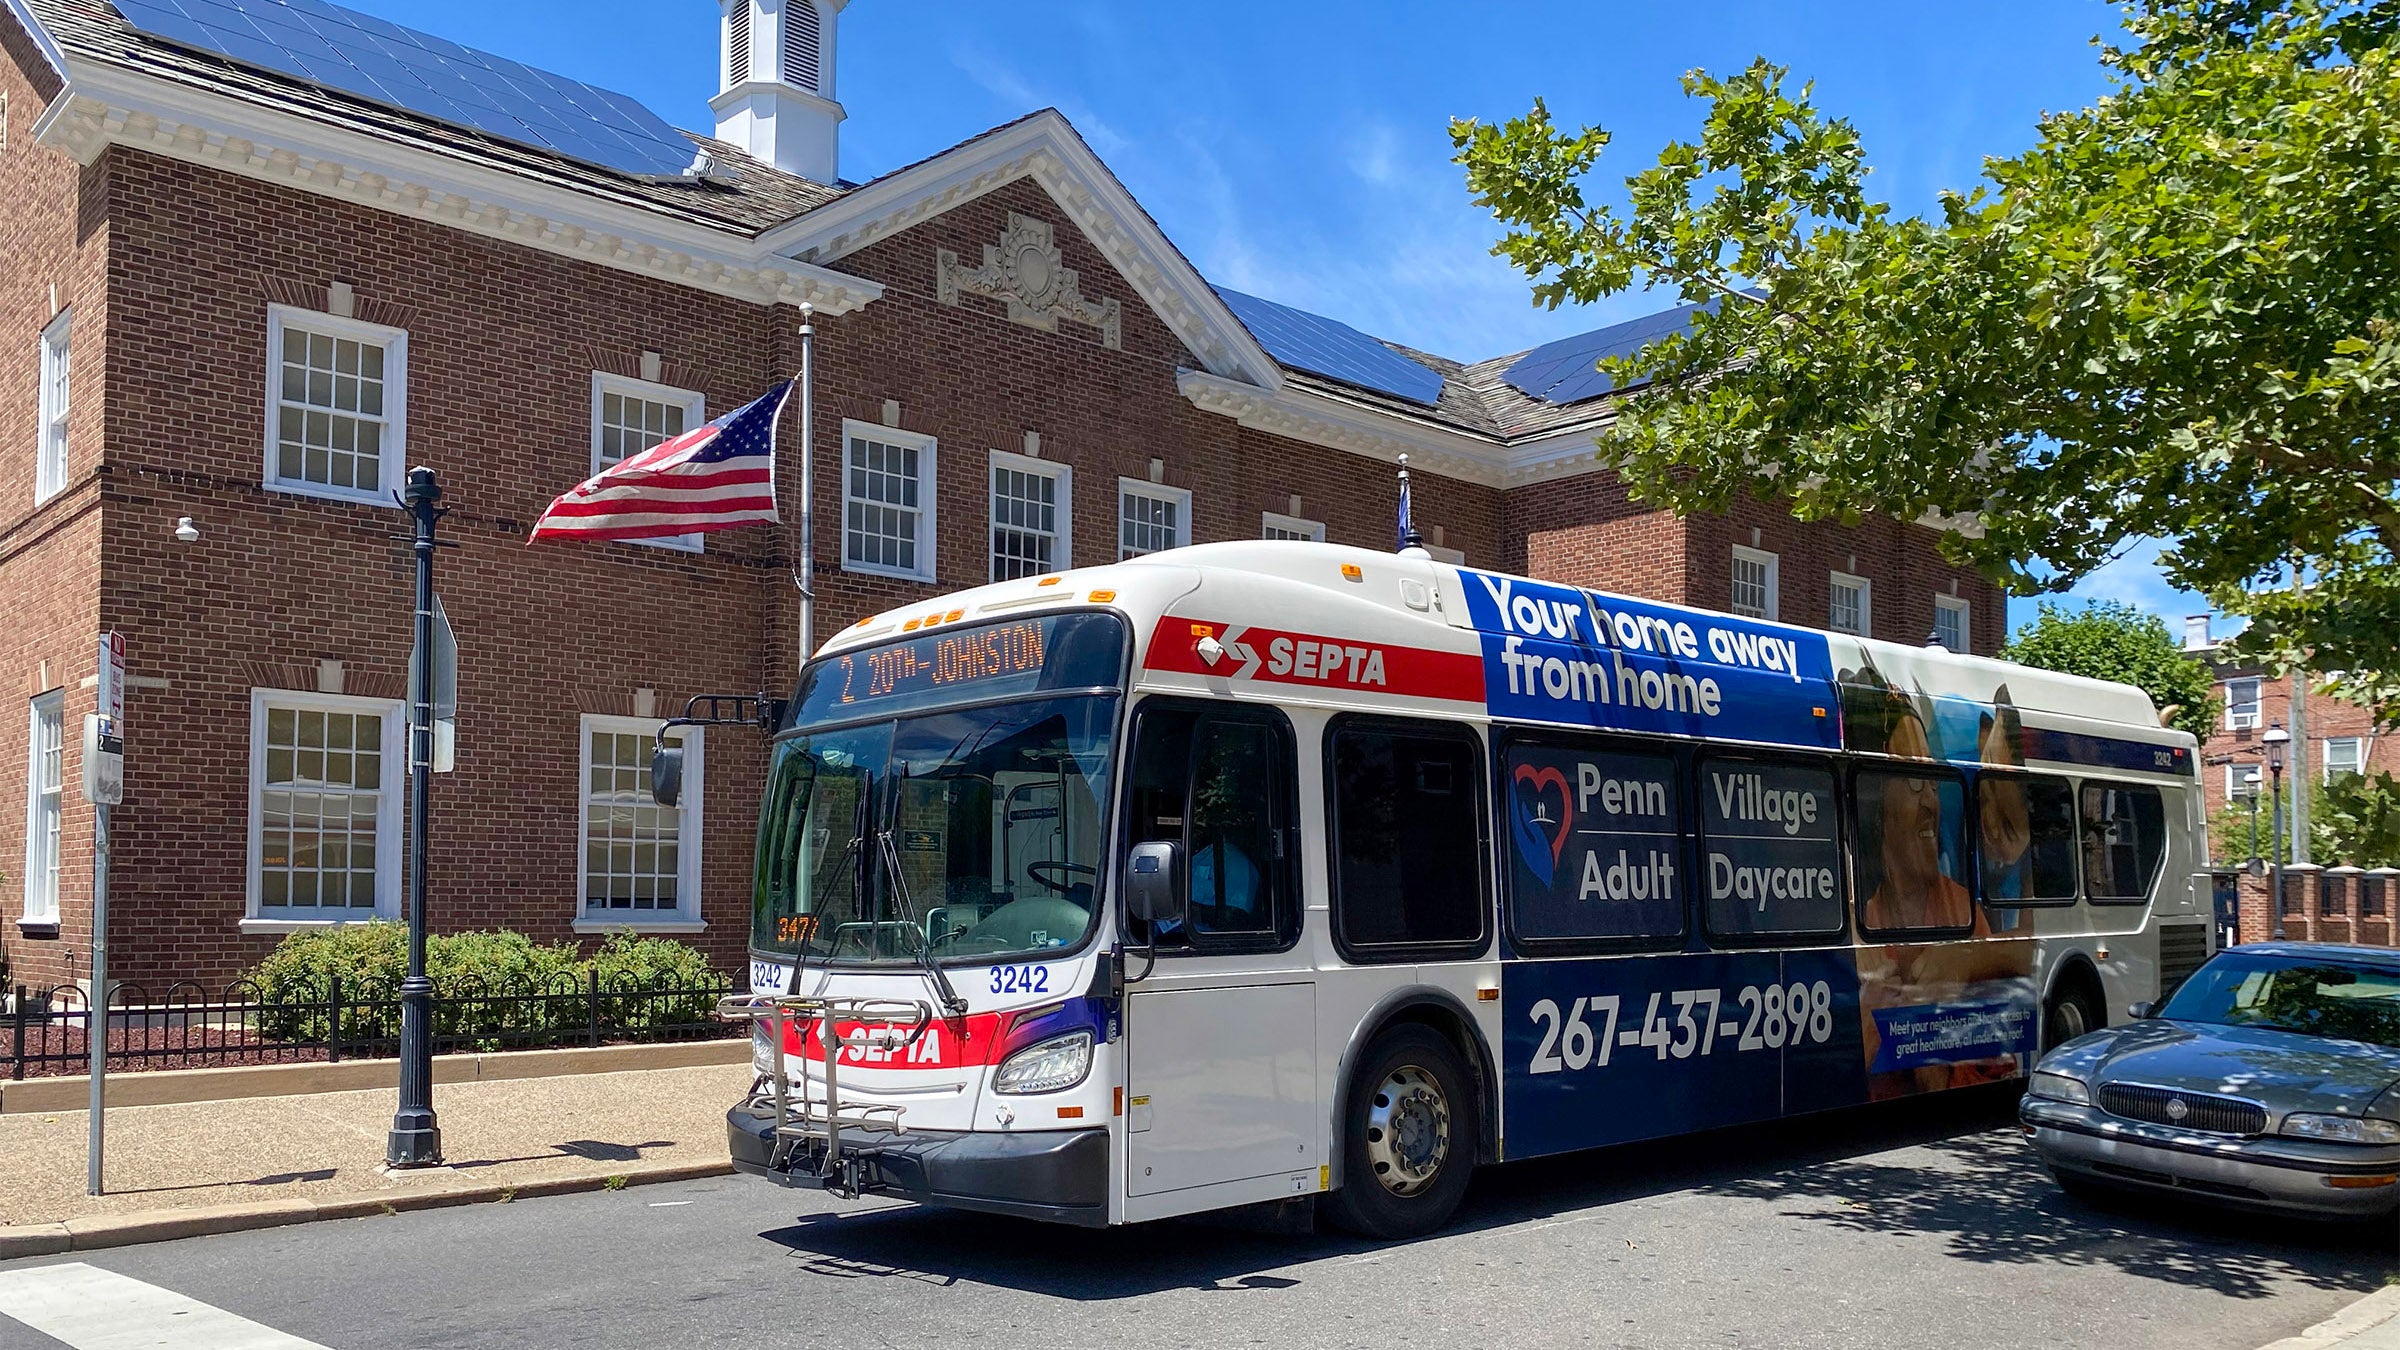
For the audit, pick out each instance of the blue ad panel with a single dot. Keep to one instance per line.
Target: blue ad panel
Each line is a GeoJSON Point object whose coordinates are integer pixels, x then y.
{"type": "Point", "coordinates": [1610, 1050]}
{"type": "Point", "coordinates": [1557, 654]}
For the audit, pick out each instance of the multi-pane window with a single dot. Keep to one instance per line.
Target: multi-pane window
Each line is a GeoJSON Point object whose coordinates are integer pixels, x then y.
{"type": "Point", "coordinates": [1151, 517]}
{"type": "Point", "coordinates": [1275, 526]}
{"type": "Point", "coordinates": [2242, 781]}
{"type": "Point", "coordinates": [1032, 503]}
{"type": "Point", "coordinates": [45, 792]}
{"type": "Point", "coordinates": [326, 782]}
{"type": "Point", "coordinates": [1754, 582]}
{"type": "Point", "coordinates": [638, 856]}
{"type": "Point", "coordinates": [50, 455]}
{"type": "Point", "coordinates": [630, 416]}
{"type": "Point", "coordinates": [1950, 622]}
{"type": "Point", "coordinates": [336, 393]}
{"type": "Point", "coordinates": [1850, 611]}
{"type": "Point", "coordinates": [2344, 755]}
{"type": "Point", "coordinates": [2241, 704]}
{"type": "Point", "coordinates": [887, 517]}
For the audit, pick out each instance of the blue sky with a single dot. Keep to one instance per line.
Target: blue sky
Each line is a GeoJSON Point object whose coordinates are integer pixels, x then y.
{"type": "Point", "coordinates": [1300, 151]}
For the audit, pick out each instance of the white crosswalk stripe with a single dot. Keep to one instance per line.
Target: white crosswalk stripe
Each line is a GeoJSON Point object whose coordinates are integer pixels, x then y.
{"type": "Point", "coordinates": [94, 1309]}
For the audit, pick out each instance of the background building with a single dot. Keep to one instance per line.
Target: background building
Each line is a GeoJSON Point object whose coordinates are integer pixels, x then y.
{"type": "Point", "coordinates": [2339, 737]}
{"type": "Point", "coordinates": [251, 276]}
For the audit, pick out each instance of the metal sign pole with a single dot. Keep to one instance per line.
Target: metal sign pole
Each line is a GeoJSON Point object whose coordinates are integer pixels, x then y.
{"type": "Point", "coordinates": [416, 1135]}
{"type": "Point", "coordinates": [808, 464]}
{"type": "Point", "coordinates": [95, 1026]}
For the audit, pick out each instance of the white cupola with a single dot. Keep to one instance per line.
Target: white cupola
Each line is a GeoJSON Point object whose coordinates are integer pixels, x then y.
{"type": "Point", "coordinates": [775, 94]}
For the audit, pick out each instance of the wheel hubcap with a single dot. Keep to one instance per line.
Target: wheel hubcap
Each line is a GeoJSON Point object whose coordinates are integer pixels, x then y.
{"type": "Point", "coordinates": [1408, 1130]}
{"type": "Point", "coordinates": [2070, 1022]}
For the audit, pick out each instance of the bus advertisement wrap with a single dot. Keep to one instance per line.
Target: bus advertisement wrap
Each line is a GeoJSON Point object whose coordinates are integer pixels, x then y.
{"type": "Point", "coordinates": [1556, 654]}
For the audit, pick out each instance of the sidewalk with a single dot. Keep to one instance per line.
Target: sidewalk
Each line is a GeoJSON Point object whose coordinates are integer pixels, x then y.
{"type": "Point", "coordinates": [2372, 1323]}
{"type": "Point", "coordinates": [328, 1147]}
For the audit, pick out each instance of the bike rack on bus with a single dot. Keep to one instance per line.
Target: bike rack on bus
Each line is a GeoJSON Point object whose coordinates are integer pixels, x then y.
{"type": "Point", "coordinates": [888, 1024]}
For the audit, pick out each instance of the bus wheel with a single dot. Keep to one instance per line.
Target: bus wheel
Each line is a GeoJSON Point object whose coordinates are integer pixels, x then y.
{"type": "Point", "coordinates": [2069, 1013]}
{"type": "Point", "coordinates": [1409, 1137]}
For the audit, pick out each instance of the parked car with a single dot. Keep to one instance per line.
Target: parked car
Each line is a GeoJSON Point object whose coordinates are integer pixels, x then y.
{"type": "Point", "coordinates": [2270, 1080]}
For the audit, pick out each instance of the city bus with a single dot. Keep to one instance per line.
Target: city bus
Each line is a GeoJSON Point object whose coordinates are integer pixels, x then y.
{"type": "Point", "coordinates": [1277, 871]}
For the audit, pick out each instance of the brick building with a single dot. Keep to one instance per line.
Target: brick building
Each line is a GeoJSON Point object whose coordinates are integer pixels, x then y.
{"type": "Point", "coordinates": [245, 287]}
{"type": "Point", "coordinates": [2338, 737]}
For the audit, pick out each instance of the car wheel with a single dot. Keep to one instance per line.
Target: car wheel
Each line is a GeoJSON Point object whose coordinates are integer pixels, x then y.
{"type": "Point", "coordinates": [1409, 1137]}
{"type": "Point", "coordinates": [2069, 1013]}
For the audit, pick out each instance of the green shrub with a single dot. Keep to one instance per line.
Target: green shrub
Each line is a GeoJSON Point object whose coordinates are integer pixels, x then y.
{"type": "Point", "coordinates": [479, 980]}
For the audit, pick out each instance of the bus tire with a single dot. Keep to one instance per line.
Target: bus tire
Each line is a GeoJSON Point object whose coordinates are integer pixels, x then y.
{"type": "Point", "coordinates": [2071, 1011]}
{"type": "Point", "coordinates": [1410, 1133]}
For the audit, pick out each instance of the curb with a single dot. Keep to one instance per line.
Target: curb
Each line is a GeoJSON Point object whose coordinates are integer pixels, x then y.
{"type": "Point", "coordinates": [2349, 1325]}
{"type": "Point", "coordinates": [181, 1087]}
{"type": "Point", "coordinates": [166, 1225]}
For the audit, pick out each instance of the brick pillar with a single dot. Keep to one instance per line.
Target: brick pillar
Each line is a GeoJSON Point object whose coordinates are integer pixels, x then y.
{"type": "Point", "coordinates": [2380, 893]}
{"type": "Point", "coordinates": [2337, 901]}
{"type": "Point", "coordinates": [2257, 918]}
{"type": "Point", "coordinates": [2302, 921]}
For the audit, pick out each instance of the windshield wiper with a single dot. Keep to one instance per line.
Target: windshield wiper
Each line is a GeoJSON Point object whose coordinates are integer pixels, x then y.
{"type": "Point", "coordinates": [951, 1004]}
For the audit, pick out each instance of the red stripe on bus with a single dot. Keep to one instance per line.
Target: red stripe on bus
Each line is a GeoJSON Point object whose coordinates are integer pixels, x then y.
{"type": "Point", "coordinates": [942, 1045]}
{"type": "Point", "coordinates": [1282, 656]}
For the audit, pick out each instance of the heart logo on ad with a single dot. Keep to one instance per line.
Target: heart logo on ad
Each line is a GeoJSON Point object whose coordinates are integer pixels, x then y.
{"type": "Point", "coordinates": [1540, 838]}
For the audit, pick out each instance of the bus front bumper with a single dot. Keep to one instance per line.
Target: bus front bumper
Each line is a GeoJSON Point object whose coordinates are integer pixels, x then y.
{"type": "Point", "coordinates": [1057, 1175]}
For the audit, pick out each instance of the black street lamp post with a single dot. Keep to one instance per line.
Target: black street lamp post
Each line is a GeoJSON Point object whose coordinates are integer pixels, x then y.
{"type": "Point", "coordinates": [2250, 781]}
{"type": "Point", "coordinates": [416, 1137]}
{"type": "Point", "coordinates": [2275, 739]}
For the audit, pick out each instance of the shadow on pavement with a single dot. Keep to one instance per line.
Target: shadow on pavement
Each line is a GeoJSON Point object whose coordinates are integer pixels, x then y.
{"type": "Point", "coordinates": [1982, 1190]}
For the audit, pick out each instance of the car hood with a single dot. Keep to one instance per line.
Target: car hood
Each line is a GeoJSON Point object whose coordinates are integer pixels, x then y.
{"type": "Point", "coordinates": [2283, 1070]}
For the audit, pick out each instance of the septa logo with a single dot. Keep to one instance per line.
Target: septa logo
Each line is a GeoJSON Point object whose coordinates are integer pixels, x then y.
{"type": "Point", "coordinates": [1540, 837]}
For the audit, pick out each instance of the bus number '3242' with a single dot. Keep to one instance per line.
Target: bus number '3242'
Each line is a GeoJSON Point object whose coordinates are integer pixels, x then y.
{"type": "Point", "coordinates": [1688, 1024]}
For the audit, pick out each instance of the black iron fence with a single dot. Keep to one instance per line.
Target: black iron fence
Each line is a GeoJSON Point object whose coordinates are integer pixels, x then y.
{"type": "Point", "coordinates": [46, 1032]}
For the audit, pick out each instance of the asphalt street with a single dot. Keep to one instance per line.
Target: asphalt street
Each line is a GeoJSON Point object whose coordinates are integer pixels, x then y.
{"type": "Point", "coordinates": [1932, 1227]}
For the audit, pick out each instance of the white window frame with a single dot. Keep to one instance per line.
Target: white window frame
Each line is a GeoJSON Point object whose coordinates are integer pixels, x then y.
{"type": "Point", "coordinates": [1062, 535]}
{"type": "Point", "coordinates": [45, 831]}
{"type": "Point", "coordinates": [695, 414]}
{"type": "Point", "coordinates": [2237, 787]}
{"type": "Point", "coordinates": [2235, 718]}
{"type": "Point", "coordinates": [2358, 755]}
{"type": "Point", "coordinates": [1276, 525]}
{"type": "Point", "coordinates": [1774, 568]}
{"type": "Point", "coordinates": [685, 917]}
{"type": "Point", "coordinates": [56, 402]}
{"type": "Point", "coordinates": [394, 449]}
{"type": "Point", "coordinates": [1951, 604]}
{"type": "Point", "coordinates": [390, 795]}
{"type": "Point", "coordinates": [928, 496]}
{"type": "Point", "coordinates": [1180, 498]}
{"type": "Point", "coordinates": [1866, 603]}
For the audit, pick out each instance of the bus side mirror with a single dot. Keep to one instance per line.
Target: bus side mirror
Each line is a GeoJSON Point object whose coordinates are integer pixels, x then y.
{"type": "Point", "coordinates": [666, 774]}
{"type": "Point", "coordinates": [1154, 885]}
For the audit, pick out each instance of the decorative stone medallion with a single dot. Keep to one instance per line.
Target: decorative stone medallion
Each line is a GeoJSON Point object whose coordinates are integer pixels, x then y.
{"type": "Point", "coordinates": [1026, 270]}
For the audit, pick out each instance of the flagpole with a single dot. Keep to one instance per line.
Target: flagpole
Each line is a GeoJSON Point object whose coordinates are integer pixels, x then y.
{"type": "Point", "coordinates": [808, 452]}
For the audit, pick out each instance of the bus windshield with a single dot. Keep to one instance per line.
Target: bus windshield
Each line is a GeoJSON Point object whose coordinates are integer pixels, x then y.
{"type": "Point", "coordinates": [896, 828]}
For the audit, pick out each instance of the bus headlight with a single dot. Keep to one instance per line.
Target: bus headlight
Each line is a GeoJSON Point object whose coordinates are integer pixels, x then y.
{"type": "Point", "coordinates": [2059, 1087]}
{"type": "Point", "coordinates": [1053, 1065]}
{"type": "Point", "coordinates": [2340, 1129]}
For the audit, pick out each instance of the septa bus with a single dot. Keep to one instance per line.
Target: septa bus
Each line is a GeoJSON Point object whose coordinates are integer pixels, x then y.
{"type": "Point", "coordinates": [1249, 872]}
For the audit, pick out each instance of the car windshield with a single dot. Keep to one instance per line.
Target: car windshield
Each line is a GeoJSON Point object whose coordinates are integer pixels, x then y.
{"type": "Point", "coordinates": [973, 833]}
{"type": "Point", "coordinates": [2317, 996]}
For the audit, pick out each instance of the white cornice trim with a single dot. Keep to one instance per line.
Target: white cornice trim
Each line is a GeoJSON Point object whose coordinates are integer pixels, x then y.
{"type": "Point", "coordinates": [1045, 148]}
{"type": "Point", "coordinates": [105, 106]}
{"type": "Point", "coordinates": [1304, 415]}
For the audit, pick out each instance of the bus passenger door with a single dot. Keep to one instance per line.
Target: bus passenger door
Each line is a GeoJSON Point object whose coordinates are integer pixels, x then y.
{"type": "Point", "coordinates": [1222, 1097]}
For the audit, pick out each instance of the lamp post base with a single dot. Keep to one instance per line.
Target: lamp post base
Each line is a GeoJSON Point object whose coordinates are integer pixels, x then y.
{"type": "Point", "coordinates": [415, 1143]}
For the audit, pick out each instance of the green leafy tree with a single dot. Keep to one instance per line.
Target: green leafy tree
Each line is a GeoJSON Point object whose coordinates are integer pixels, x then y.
{"type": "Point", "coordinates": [2111, 640]}
{"type": "Point", "coordinates": [2354, 819]}
{"type": "Point", "coordinates": [2176, 316]}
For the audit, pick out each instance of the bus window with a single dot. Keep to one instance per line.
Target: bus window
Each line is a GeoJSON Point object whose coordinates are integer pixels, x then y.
{"type": "Point", "coordinates": [1908, 834]}
{"type": "Point", "coordinates": [1407, 839]}
{"type": "Point", "coordinates": [1594, 843]}
{"type": "Point", "coordinates": [1773, 861]}
{"type": "Point", "coordinates": [1219, 784]}
{"type": "Point", "coordinates": [2026, 840]}
{"type": "Point", "coordinates": [2124, 840]}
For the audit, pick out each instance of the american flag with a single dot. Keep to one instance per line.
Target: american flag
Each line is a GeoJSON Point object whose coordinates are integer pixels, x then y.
{"type": "Point", "coordinates": [710, 478]}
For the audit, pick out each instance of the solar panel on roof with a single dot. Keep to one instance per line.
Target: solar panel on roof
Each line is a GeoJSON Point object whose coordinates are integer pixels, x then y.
{"type": "Point", "coordinates": [1567, 371]}
{"type": "Point", "coordinates": [1322, 346]}
{"type": "Point", "coordinates": [382, 62]}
